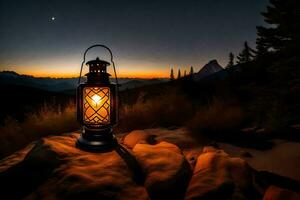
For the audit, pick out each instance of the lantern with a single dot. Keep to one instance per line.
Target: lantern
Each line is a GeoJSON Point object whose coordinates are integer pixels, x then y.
{"type": "Point", "coordinates": [97, 105]}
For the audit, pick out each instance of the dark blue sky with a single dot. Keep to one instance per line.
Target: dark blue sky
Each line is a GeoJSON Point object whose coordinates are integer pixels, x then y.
{"type": "Point", "coordinates": [147, 37]}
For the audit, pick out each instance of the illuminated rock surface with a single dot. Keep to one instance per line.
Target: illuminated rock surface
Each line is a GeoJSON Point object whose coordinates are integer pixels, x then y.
{"type": "Point", "coordinates": [218, 176]}
{"type": "Point", "coordinates": [166, 170]}
{"type": "Point", "coordinates": [276, 193]}
{"type": "Point", "coordinates": [149, 164]}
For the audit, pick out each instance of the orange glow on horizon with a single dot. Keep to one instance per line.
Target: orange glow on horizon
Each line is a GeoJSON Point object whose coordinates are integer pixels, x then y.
{"type": "Point", "coordinates": [144, 75]}
{"type": "Point", "coordinates": [67, 70]}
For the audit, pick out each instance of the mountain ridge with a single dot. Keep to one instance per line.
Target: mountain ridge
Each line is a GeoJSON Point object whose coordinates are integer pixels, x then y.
{"type": "Point", "coordinates": [63, 84]}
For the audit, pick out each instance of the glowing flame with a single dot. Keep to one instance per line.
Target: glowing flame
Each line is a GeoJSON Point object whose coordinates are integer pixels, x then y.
{"type": "Point", "coordinates": [96, 98]}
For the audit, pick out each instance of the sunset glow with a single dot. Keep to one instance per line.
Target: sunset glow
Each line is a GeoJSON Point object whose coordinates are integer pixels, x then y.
{"type": "Point", "coordinates": [67, 70]}
{"type": "Point", "coordinates": [121, 73]}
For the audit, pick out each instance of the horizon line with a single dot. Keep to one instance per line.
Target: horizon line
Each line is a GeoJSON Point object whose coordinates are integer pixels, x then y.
{"type": "Point", "coordinates": [74, 76]}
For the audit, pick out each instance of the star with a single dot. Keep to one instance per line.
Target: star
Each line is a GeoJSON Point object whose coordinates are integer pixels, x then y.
{"type": "Point", "coordinates": [53, 18]}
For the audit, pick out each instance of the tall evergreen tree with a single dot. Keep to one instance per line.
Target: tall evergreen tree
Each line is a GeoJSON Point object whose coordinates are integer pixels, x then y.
{"type": "Point", "coordinates": [246, 55]}
{"type": "Point", "coordinates": [184, 75]}
{"type": "Point", "coordinates": [172, 75]}
{"type": "Point", "coordinates": [231, 60]}
{"type": "Point", "coordinates": [283, 34]}
{"type": "Point", "coordinates": [191, 71]}
{"type": "Point", "coordinates": [179, 74]}
{"type": "Point", "coordinates": [262, 49]}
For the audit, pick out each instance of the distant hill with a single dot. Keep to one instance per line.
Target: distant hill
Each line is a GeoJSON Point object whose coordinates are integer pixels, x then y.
{"type": "Point", "coordinates": [48, 84]}
{"type": "Point", "coordinates": [64, 84]}
{"type": "Point", "coordinates": [140, 82]}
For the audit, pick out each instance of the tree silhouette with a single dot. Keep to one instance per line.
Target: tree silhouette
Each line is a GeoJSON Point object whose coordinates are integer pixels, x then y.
{"type": "Point", "coordinates": [179, 74]}
{"type": "Point", "coordinates": [184, 75]}
{"type": "Point", "coordinates": [283, 34]}
{"type": "Point", "coordinates": [262, 48]}
{"type": "Point", "coordinates": [191, 71]}
{"type": "Point", "coordinates": [231, 60]}
{"type": "Point", "coordinates": [246, 55]}
{"type": "Point", "coordinates": [172, 75]}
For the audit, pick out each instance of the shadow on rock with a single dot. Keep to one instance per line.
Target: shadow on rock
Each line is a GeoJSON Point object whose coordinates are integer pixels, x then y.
{"type": "Point", "coordinates": [136, 170]}
{"type": "Point", "coordinates": [20, 180]}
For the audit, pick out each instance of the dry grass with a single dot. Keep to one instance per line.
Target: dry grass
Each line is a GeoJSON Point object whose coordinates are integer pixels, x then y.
{"type": "Point", "coordinates": [165, 110]}
{"type": "Point", "coordinates": [46, 121]}
{"type": "Point", "coordinates": [162, 111]}
{"type": "Point", "coordinates": [217, 118]}
{"type": "Point", "coordinates": [277, 119]}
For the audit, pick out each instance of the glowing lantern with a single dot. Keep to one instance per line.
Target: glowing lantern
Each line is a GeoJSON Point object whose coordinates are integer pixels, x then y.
{"type": "Point", "coordinates": [97, 105]}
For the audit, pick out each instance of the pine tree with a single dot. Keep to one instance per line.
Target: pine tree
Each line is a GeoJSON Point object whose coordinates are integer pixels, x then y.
{"type": "Point", "coordinates": [184, 75]}
{"type": "Point", "coordinates": [261, 48]}
{"type": "Point", "coordinates": [283, 34]}
{"type": "Point", "coordinates": [172, 75]}
{"type": "Point", "coordinates": [179, 74]}
{"type": "Point", "coordinates": [231, 60]}
{"type": "Point", "coordinates": [191, 71]}
{"type": "Point", "coordinates": [246, 55]}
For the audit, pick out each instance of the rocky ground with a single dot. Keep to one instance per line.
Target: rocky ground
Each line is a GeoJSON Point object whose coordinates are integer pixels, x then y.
{"type": "Point", "coordinates": [148, 164]}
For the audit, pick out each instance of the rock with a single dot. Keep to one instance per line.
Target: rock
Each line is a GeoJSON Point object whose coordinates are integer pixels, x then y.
{"type": "Point", "coordinates": [55, 169]}
{"type": "Point", "coordinates": [138, 136]}
{"type": "Point", "coordinates": [249, 129]}
{"type": "Point", "coordinates": [268, 180]}
{"type": "Point", "coordinates": [162, 164]}
{"type": "Point", "coordinates": [218, 176]}
{"type": "Point", "coordinates": [214, 144]}
{"type": "Point", "coordinates": [261, 131]}
{"type": "Point", "coordinates": [15, 158]}
{"type": "Point", "coordinates": [246, 154]}
{"type": "Point", "coordinates": [213, 149]}
{"type": "Point", "coordinates": [191, 156]}
{"type": "Point", "coordinates": [166, 169]}
{"type": "Point", "coordinates": [277, 193]}
{"type": "Point", "coordinates": [179, 137]}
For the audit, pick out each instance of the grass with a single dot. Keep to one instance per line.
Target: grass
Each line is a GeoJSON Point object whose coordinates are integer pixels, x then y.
{"type": "Point", "coordinates": [171, 109]}
{"type": "Point", "coordinates": [222, 121]}
{"type": "Point", "coordinates": [46, 121]}
{"type": "Point", "coordinates": [217, 116]}
{"type": "Point", "coordinates": [162, 110]}
{"type": "Point", "coordinates": [166, 110]}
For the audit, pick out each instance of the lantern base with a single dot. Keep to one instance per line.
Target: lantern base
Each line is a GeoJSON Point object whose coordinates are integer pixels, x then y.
{"type": "Point", "coordinates": [96, 140]}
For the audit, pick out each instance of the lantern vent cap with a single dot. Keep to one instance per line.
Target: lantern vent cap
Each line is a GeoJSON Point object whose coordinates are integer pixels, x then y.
{"type": "Point", "coordinates": [98, 61]}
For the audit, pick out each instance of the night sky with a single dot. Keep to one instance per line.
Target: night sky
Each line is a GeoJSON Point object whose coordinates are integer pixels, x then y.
{"type": "Point", "coordinates": [47, 38]}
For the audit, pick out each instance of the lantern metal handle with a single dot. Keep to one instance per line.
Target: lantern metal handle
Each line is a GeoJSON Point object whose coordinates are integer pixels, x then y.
{"type": "Point", "coordinates": [111, 60]}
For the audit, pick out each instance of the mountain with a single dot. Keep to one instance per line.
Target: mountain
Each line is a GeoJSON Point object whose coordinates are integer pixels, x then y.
{"type": "Point", "coordinates": [208, 69]}
{"type": "Point", "coordinates": [64, 84]}
{"type": "Point", "coordinates": [134, 83]}
{"type": "Point", "coordinates": [47, 83]}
